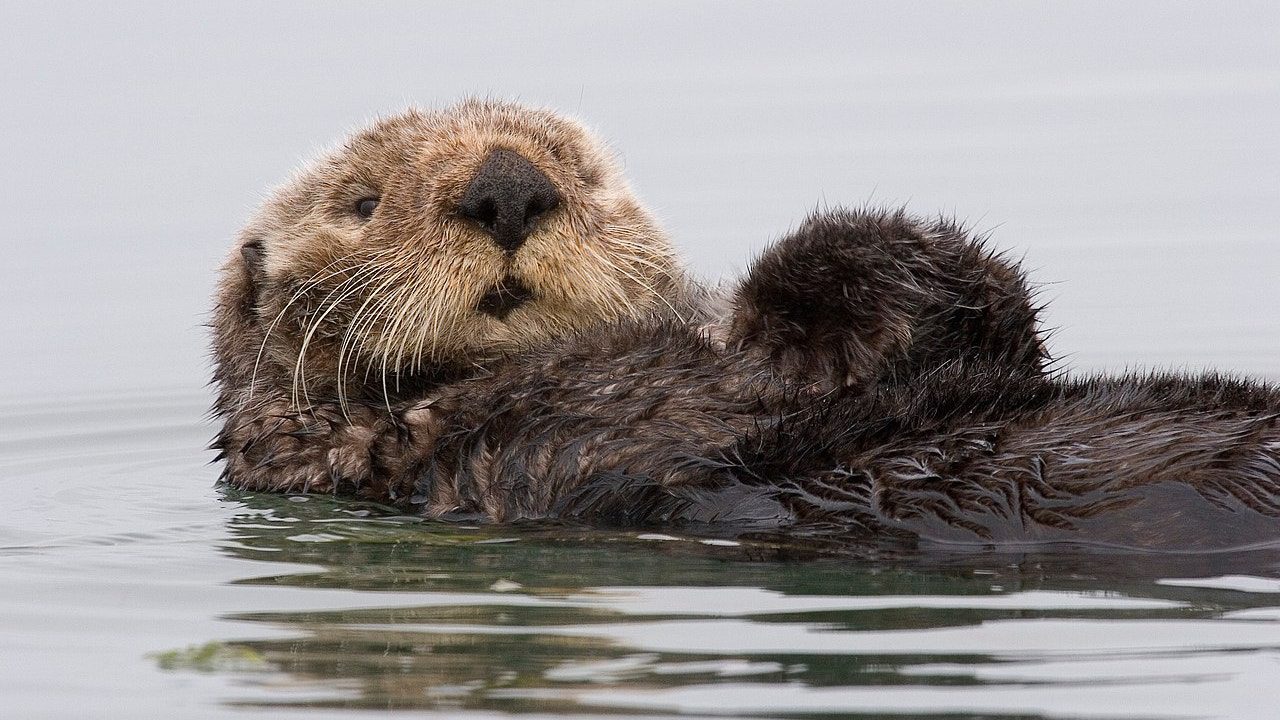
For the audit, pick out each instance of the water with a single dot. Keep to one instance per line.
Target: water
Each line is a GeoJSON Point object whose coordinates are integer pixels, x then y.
{"type": "Point", "coordinates": [1129, 153]}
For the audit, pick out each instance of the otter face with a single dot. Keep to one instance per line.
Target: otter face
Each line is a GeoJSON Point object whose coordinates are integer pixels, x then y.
{"type": "Point", "coordinates": [440, 239]}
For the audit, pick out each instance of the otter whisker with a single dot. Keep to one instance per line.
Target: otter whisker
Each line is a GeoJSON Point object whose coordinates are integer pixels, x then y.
{"type": "Point", "coordinates": [394, 316]}
{"type": "Point", "coordinates": [305, 287]}
{"type": "Point", "coordinates": [433, 325]}
{"type": "Point", "coordinates": [428, 320]}
{"type": "Point", "coordinates": [662, 269]}
{"type": "Point", "coordinates": [299, 368]}
{"type": "Point", "coordinates": [388, 320]}
{"type": "Point", "coordinates": [653, 292]}
{"type": "Point", "coordinates": [402, 313]}
{"type": "Point", "coordinates": [356, 282]}
{"type": "Point", "coordinates": [623, 297]}
{"type": "Point", "coordinates": [357, 325]}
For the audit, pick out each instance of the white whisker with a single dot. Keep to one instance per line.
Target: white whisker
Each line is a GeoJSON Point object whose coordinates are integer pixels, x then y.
{"type": "Point", "coordinates": [304, 288]}
{"type": "Point", "coordinates": [356, 281]}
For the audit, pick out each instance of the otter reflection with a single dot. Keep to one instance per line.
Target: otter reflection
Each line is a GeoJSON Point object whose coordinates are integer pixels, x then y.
{"type": "Point", "coordinates": [437, 636]}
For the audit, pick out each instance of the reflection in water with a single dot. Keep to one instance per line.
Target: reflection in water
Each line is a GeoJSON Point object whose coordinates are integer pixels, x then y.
{"type": "Point", "coordinates": [557, 619]}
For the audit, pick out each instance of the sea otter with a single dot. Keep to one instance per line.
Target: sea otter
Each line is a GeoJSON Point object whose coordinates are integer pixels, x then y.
{"type": "Point", "coordinates": [431, 245]}
{"type": "Point", "coordinates": [433, 316]}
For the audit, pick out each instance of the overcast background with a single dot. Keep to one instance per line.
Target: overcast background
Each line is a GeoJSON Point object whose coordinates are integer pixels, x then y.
{"type": "Point", "coordinates": [1130, 151]}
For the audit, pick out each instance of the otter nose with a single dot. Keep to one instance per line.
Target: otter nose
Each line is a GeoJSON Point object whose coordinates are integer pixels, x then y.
{"type": "Point", "coordinates": [506, 198]}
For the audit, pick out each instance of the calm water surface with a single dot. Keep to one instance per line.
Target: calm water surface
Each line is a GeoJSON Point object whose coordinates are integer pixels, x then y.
{"type": "Point", "coordinates": [1130, 154]}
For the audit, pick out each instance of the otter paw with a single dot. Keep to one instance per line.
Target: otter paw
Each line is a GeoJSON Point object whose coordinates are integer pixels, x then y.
{"type": "Point", "coordinates": [422, 420]}
{"type": "Point", "coordinates": [315, 451]}
{"type": "Point", "coordinates": [350, 459]}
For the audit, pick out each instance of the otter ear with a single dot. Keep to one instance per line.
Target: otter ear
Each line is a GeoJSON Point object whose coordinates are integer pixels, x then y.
{"type": "Point", "coordinates": [252, 254]}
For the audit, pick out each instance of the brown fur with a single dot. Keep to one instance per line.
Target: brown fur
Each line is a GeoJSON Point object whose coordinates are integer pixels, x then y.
{"type": "Point", "coordinates": [652, 426]}
{"type": "Point", "coordinates": [323, 316]}
{"type": "Point", "coordinates": [855, 297]}
{"type": "Point", "coordinates": [950, 433]}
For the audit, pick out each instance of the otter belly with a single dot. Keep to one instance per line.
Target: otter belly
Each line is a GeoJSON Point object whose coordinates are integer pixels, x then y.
{"type": "Point", "coordinates": [1136, 462]}
{"type": "Point", "coordinates": [655, 426]}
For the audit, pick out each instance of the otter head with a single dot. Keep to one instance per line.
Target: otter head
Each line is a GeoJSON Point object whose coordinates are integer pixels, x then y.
{"type": "Point", "coordinates": [431, 241]}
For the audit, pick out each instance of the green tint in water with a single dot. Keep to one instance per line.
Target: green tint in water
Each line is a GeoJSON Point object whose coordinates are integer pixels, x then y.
{"type": "Point", "coordinates": [558, 620]}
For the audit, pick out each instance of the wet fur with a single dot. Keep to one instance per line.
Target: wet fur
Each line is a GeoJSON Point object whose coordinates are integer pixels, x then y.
{"type": "Point", "coordinates": [872, 376]}
{"type": "Point", "coordinates": [659, 400]}
{"type": "Point", "coordinates": [329, 329]}
{"type": "Point", "coordinates": [965, 453]}
{"type": "Point", "coordinates": [854, 297]}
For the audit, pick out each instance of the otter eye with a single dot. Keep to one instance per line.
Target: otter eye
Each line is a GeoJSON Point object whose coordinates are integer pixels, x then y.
{"type": "Point", "coordinates": [366, 206]}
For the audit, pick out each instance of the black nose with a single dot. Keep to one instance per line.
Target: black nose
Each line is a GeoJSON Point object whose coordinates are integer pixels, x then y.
{"type": "Point", "coordinates": [506, 197]}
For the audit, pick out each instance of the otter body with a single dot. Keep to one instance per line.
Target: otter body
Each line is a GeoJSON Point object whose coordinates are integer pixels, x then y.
{"type": "Point", "coordinates": [969, 453]}
{"type": "Point", "coordinates": [468, 313]}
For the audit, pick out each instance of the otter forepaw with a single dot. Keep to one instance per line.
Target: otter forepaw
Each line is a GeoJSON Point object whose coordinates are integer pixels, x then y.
{"type": "Point", "coordinates": [350, 460]}
{"type": "Point", "coordinates": [289, 455]}
{"type": "Point", "coordinates": [363, 451]}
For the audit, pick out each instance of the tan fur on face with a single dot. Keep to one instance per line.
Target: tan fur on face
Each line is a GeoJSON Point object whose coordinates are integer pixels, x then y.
{"type": "Point", "coordinates": [331, 304]}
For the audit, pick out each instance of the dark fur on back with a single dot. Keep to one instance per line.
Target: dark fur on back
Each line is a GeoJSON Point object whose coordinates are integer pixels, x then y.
{"type": "Point", "coordinates": [976, 454]}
